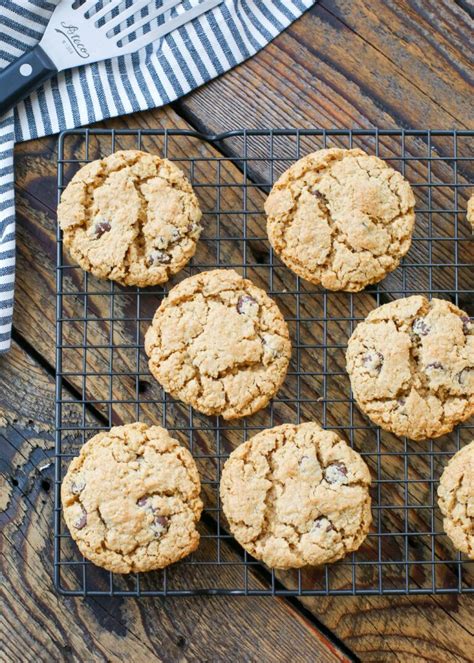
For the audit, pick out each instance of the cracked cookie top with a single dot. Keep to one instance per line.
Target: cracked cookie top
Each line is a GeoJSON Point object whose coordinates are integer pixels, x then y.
{"type": "Point", "coordinates": [456, 499]}
{"type": "Point", "coordinates": [296, 496]}
{"type": "Point", "coordinates": [411, 365]}
{"type": "Point", "coordinates": [220, 344]}
{"type": "Point", "coordinates": [341, 218]}
{"type": "Point", "coordinates": [131, 499]}
{"type": "Point", "coordinates": [131, 217]}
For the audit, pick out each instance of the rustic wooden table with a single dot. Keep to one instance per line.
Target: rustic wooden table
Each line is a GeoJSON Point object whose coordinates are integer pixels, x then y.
{"type": "Point", "coordinates": [346, 63]}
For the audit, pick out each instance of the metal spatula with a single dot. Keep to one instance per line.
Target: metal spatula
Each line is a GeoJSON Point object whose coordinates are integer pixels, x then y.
{"type": "Point", "coordinates": [94, 30]}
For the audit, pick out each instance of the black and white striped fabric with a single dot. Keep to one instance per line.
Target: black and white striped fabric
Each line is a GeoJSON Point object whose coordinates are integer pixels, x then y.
{"type": "Point", "coordinates": [155, 76]}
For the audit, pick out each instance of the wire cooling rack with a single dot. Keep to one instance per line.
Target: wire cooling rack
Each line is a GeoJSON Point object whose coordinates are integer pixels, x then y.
{"type": "Point", "coordinates": [103, 379]}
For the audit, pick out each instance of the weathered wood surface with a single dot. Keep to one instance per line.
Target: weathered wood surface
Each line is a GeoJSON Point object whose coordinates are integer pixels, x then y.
{"type": "Point", "coordinates": [39, 625]}
{"type": "Point", "coordinates": [30, 163]}
{"type": "Point", "coordinates": [394, 64]}
{"type": "Point", "coordinates": [344, 64]}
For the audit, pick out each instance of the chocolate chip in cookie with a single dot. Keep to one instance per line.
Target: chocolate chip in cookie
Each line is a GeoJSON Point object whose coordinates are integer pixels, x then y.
{"type": "Point", "coordinates": [78, 486]}
{"type": "Point", "coordinates": [160, 525]}
{"type": "Point", "coordinates": [322, 524]}
{"type": "Point", "coordinates": [247, 305]}
{"type": "Point", "coordinates": [81, 521]}
{"type": "Point", "coordinates": [101, 227]}
{"type": "Point", "coordinates": [323, 201]}
{"type": "Point", "coordinates": [420, 327]}
{"type": "Point", "coordinates": [435, 365]}
{"type": "Point", "coordinates": [336, 473]}
{"type": "Point", "coordinates": [373, 360]}
{"type": "Point", "coordinates": [466, 324]}
{"type": "Point", "coordinates": [157, 257]}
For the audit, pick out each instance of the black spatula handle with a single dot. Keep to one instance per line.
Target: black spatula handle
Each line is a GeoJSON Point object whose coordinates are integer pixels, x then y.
{"type": "Point", "coordinates": [23, 76]}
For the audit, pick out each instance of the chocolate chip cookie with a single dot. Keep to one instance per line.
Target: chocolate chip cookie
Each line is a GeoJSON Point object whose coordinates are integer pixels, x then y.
{"type": "Point", "coordinates": [411, 365]}
{"type": "Point", "coordinates": [341, 218]}
{"type": "Point", "coordinates": [456, 499]}
{"type": "Point", "coordinates": [131, 217]}
{"type": "Point", "coordinates": [220, 344]}
{"type": "Point", "coordinates": [131, 499]}
{"type": "Point", "coordinates": [296, 496]}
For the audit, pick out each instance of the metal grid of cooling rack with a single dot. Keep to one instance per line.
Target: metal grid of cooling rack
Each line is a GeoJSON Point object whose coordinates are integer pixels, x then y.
{"type": "Point", "coordinates": [103, 380]}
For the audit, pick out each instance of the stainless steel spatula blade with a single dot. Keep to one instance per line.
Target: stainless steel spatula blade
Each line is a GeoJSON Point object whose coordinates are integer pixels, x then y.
{"type": "Point", "coordinates": [81, 33]}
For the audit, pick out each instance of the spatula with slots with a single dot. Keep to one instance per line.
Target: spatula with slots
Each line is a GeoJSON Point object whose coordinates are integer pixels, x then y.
{"type": "Point", "coordinates": [83, 32]}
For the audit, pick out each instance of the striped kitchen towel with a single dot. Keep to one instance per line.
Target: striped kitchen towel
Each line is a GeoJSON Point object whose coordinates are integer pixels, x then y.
{"type": "Point", "coordinates": [157, 75]}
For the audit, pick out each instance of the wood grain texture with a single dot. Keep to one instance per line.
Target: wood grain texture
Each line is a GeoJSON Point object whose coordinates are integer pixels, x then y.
{"type": "Point", "coordinates": [425, 41]}
{"type": "Point", "coordinates": [370, 639]}
{"type": "Point", "coordinates": [351, 64]}
{"type": "Point", "coordinates": [344, 64]}
{"type": "Point", "coordinates": [39, 625]}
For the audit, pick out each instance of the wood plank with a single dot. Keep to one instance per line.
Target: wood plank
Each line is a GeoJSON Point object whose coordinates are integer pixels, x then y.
{"type": "Point", "coordinates": [39, 625]}
{"type": "Point", "coordinates": [401, 628]}
{"type": "Point", "coordinates": [350, 64]}
{"type": "Point", "coordinates": [428, 43]}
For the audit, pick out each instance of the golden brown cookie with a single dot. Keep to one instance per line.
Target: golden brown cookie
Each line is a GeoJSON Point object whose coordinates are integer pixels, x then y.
{"type": "Point", "coordinates": [131, 499]}
{"type": "Point", "coordinates": [296, 495]}
{"type": "Point", "coordinates": [220, 344]}
{"type": "Point", "coordinates": [341, 218]}
{"type": "Point", "coordinates": [470, 210]}
{"type": "Point", "coordinates": [131, 217]}
{"type": "Point", "coordinates": [456, 499]}
{"type": "Point", "coordinates": [411, 365]}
